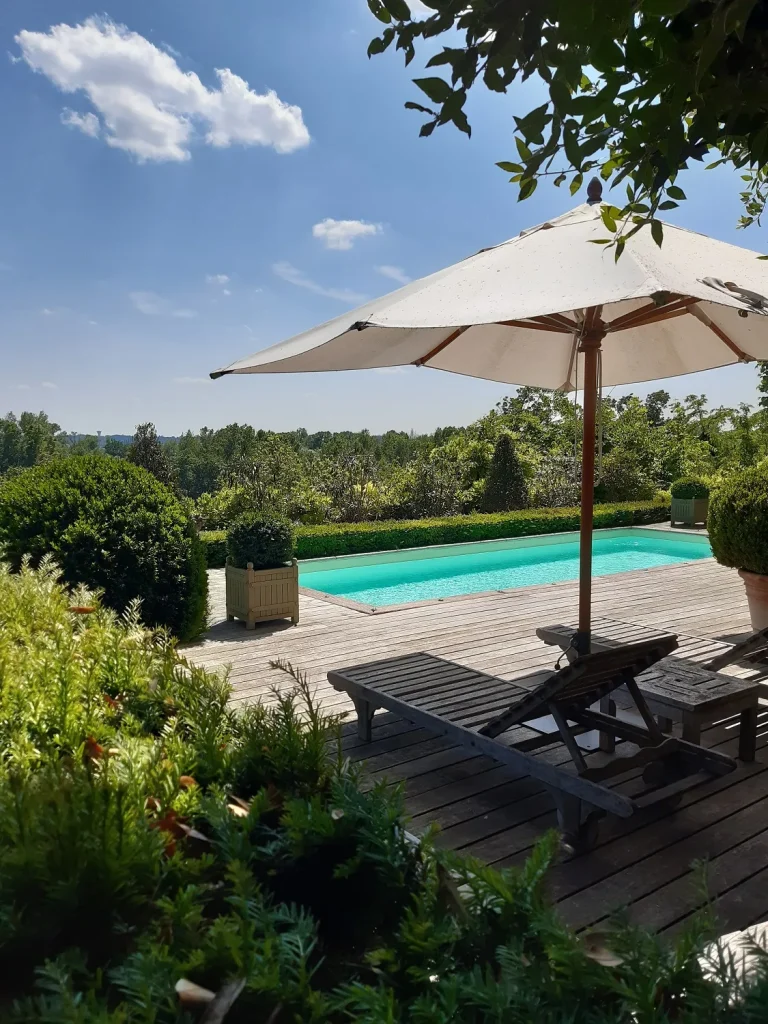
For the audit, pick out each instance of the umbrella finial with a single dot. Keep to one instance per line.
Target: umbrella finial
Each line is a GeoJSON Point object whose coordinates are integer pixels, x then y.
{"type": "Point", "coordinates": [595, 192]}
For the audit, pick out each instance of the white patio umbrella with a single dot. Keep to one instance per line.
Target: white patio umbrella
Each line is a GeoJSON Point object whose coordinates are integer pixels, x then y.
{"type": "Point", "coordinates": [549, 309]}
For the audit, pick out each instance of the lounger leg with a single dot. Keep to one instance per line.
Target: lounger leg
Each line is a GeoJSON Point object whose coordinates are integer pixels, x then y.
{"type": "Point", "coordinates": [577, 822]}
{"type": "Point", "coordinates": [665, 724]}
{"type": "Point", "coordinates": [365, 712]}
{"type": "Point", "coordinates": [747, 734]}
{"type": "Point", "coordinates": [607, 739]}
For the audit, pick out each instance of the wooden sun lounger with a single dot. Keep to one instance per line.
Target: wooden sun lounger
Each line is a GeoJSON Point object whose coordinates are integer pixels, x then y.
{"type": "Point", "coordinates": [489, 715]}
{"type": "Point", "coordinates": [681, 689]}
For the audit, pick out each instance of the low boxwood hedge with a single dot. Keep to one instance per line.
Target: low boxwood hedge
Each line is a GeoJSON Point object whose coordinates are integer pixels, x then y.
{"type": "Point", "coordinates": [359, 538]}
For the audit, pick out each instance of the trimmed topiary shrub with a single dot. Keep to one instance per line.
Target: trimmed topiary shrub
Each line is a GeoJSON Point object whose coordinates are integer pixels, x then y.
{"type": "Point", "coordinates": [689, 487]}
{"type": "Point", "coordinates": [738, 520]}
{"type": "Point", "coordinates": [109, 525]}
{"type": "Point", "coordinates": [505, 486]}
{"type": "Point", "coordinates": [265, 541]}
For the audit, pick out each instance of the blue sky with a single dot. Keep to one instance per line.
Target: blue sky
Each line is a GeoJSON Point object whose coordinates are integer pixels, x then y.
{"type": "Point", "coordinates": [136, 258]}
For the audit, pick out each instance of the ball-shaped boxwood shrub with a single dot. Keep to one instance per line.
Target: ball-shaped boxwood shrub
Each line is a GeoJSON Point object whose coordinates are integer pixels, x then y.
{"type": "Point", "coordinates": [738, 520]}
{"type": "Point", "coordinates": [266, 541]}
{"type": "Point", "coordinates": [689, 487]}
{"type": "Point", "coordinates": [112, 525]}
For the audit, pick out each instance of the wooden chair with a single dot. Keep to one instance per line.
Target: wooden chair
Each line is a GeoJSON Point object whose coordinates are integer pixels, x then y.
{"type": "Point", "coordinates": [754, 649]}
{"type": "Point", "coordinates": [489, 715]}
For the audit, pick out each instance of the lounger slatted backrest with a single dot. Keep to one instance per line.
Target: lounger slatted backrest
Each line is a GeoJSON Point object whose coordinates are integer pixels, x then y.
{"type": "Point", "coordinates": [754, 648]}
{"type": "Point", "coordinates": [583, 682]}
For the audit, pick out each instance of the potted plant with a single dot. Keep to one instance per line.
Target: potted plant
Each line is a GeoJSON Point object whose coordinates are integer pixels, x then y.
{"type": "Point", "coordinates": [738, 533]}
{"type": "Point", "coordinates": [690, 501]}
{"type": "Point", "coordinates": [262, 576]}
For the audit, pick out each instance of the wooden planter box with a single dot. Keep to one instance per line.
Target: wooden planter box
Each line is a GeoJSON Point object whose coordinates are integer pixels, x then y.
{"type": "Point", "coordinates": [689, 511]}
{"type": "Point", "coordinates": [258, 595]}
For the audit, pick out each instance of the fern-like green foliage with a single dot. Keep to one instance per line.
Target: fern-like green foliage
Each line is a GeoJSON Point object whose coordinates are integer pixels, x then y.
{"type": "Point", "coordinates": [150, 834]}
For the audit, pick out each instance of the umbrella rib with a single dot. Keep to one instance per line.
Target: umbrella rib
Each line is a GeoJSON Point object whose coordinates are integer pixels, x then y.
{"type": "Point", "coordinates": [557, 319]}
{"type": "Point", "coordinates": [439, 348]}
{"type": "Point", "coordinates": [650, 313]}
{"type": "Point", "coordinates": [720, 333]}
{"type": "Point", "coordinates": [534, 326]}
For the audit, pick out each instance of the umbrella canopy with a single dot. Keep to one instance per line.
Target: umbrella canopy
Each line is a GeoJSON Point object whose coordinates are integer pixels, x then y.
{"type": "Point", "coordinates": [549, 309]}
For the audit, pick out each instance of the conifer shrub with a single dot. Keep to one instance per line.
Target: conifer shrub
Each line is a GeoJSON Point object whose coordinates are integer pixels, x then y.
{"type": "Point", "coordinates": [505, 486]}
{"type": "Point", "coordinates": [737, 520]}
{"type": "Point", "coordinates": [263, 540]}
{"type": "Point", "coordinates": [109, 525]}
{"type": "Point", "coordinates": [689, 487]}
{"type": "Point", "coordinates": [158, 847]}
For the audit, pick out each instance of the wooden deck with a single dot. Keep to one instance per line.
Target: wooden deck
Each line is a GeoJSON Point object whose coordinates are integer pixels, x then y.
{"type": "Point", "coordinates": [480, 807]}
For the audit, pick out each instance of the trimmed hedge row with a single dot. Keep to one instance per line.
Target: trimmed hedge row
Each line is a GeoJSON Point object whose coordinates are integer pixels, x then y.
{"type": "Point", "coordinates": [360, 538]}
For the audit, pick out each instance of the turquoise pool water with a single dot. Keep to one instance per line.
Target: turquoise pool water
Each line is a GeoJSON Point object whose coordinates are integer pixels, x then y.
{"type": "Point", "coordinates": [397, 577]}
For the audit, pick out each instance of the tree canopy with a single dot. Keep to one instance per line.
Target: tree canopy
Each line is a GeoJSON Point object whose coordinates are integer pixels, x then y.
{"type": "Point", "coordinates": [636, 89]}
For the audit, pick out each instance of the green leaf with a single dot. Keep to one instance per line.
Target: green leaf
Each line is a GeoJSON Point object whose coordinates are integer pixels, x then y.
{"type": "Point", "coordinates": [379, 11]}
{"type": "Point", "coordinates": [576, 183]}
{"type": "Point", "coordinates": [620, 243]}
{"type": "Point", "coordinates": [380, 44]}
{"type": "Point", "coordinates": [410, 105]}
{"type": "Point", "coordinates": [527, 188]}
{"type": "Point", "coordinates": [657, 232]}
{"type": "Point", "coordinates": [737, 15]}
{"type": "Point", "coordinates": [675, 192]}
{"type": "Point", "coordinates": [436, 88]}
{"type": "Point", "coordinates": [667, 205]}
{"type": "Point", "coordinates": [559, 180]}
{"type": "Point", "coordinates": [399, 9]}
{"type": "Point", "coordinates": [762, 257]}
{"type": "Point", "coordinates": [663, 8]}
{"type": "Point", "coordinates": [608, 220]}
{"type": "Point", "coordinates": [427, 129]}
{"type": "Point", "coordinates": [505, 165]}
{"type": "Point", "coordinates": [522, 149]}
{"type": "Point", "coordinates": [712, 45]}
{"type": "Point", "coordinates": [600, 241]}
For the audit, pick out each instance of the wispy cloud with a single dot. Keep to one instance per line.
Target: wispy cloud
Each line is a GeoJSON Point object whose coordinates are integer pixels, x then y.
{"type": "Point", "coordinates": [148, 106]}
{"type": "Point", "coordinates": [341, 234]}
{"type": "Point", "coordinates": [152, 304]}
{"type": "Point", "coordinates": [191, 380]}
{"type": "Point", "coordinates": [221, 279]}
{"type": "Point", "coordinates": [88, 124]}
{"type": "Point", "coordinates": [295, 276]}
{"type": "Point", "coordinates": [395, 273]}
{"type": "Point", "coordinates": [49, 385]}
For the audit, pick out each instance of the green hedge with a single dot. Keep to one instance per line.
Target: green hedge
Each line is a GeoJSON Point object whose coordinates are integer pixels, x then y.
{"type": "Point", "coordinates": [359, 538]}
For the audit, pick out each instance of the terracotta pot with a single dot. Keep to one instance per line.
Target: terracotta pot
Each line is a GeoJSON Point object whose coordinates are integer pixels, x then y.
{"type": "Point", "coordinates": [756, 585]}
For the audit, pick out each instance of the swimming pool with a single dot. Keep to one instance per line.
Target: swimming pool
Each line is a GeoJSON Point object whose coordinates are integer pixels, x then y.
{"type": "Point", "coordinates": [389, 578]}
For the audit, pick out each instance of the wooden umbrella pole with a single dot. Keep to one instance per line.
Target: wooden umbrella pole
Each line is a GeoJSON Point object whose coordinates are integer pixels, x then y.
{"type": "Point", "coordinates": [590, 340]}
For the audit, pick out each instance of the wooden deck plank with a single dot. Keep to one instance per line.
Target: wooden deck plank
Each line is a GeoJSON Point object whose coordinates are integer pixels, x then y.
{"type": "Point", "coordinates": [483, 808]}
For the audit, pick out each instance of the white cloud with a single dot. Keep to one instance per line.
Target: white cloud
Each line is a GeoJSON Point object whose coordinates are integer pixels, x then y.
{"type": "Point", "coordinates": [149, 106]}
{"type": "Point", "coordinates": [88, 124]}
{"type": "Point", "coordinates": [226, 291]}
{"type": "Point", "coordinates": [294, 276]}
{"type": "Point", "coordinates": [341, 234]}
{"type": "Point", "coordinates": [217, 279]}
{"type": "Point", "coordinates": [94, 323]}
{"type": "Point", "coordinates": [151, 304]}
{"type": "Point", "coordinates": [191, 380]}
{"type": "Point", "coordinates": [395, 273]}
{"type": "Point", "coordinates": [49, 385]}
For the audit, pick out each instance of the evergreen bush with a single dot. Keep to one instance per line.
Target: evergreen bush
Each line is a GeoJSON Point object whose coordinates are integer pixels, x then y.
{"type": "Point", "coordinates": [689, 487]}
{"type": "Point", "coordinates": [358, 538]}
{"type": "Point", "coordinates": [266, 541]}
{"type": "Point", "coordinates": [737, 520]}
{"type": "Point", "coordinates": [157, 846]}
{"type": "Point", "coordinates": [111, 525]}
{"type": "Point", "coordinates": [505, 485]}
